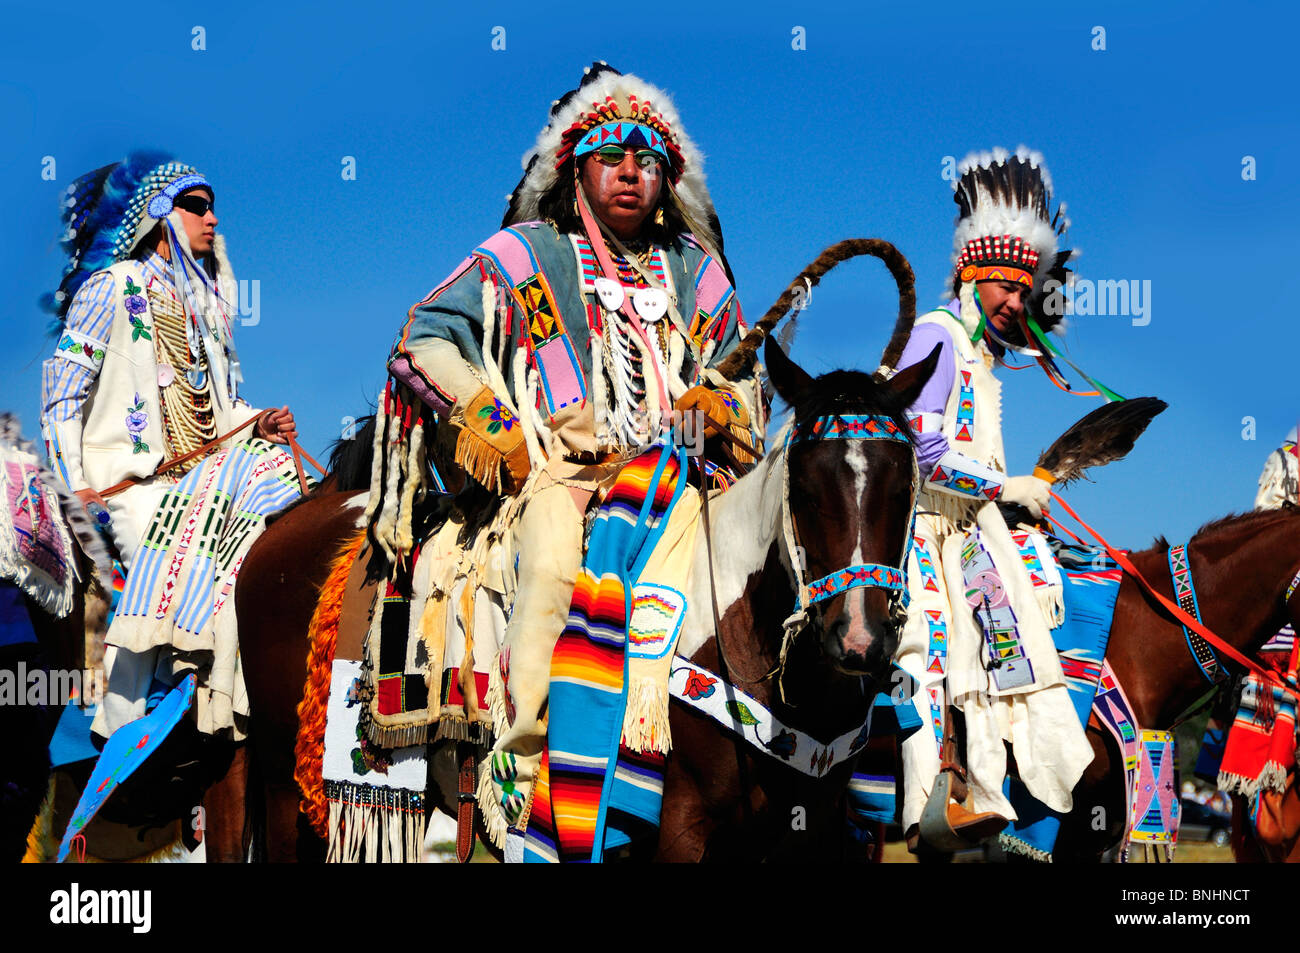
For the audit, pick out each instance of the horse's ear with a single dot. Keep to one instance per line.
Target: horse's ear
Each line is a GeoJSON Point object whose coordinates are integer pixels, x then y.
{"type": "Point", "coordinates": [790, 380]}
{"type": "Point", "coordinates": [907, 383]}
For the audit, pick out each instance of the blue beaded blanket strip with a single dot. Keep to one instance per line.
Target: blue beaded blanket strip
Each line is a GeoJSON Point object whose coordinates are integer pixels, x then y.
{"type": "Point", "coordinates": [1180, 568]}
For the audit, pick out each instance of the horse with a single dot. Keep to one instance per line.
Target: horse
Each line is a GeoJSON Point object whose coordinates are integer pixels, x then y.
{"type": "Point", "coordinates": [849, 502]}
{"type": "Point", "coordinates": [1242, 566]}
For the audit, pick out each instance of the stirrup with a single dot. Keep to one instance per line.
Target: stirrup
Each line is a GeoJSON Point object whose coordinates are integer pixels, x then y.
{"type": "Point", "coordinates": [937, 829]}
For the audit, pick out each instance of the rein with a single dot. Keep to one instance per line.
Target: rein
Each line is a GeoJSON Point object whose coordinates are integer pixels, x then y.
{"type": "Point", "coordinates": [294, 447]}
{"type": "Point", "coordinates": [1189, 623]}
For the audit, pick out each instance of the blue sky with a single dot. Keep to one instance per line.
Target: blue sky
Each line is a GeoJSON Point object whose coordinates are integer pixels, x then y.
{"type": "Point", "coordinates": [1145, 141]}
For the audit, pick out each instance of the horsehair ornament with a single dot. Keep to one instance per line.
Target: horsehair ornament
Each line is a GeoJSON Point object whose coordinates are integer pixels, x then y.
{"type": "Point", "coordinates": [742, 358]}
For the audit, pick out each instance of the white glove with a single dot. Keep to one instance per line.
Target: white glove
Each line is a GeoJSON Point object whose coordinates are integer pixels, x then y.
{"type": "Point", "coordinates": [1031, 492]}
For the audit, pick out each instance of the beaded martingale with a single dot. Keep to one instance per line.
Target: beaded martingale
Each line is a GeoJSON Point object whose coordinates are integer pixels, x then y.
{"type": "Point", "coordinates": [1180, 568]}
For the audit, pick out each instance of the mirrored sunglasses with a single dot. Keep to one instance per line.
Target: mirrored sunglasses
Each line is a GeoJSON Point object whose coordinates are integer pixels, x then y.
{"type": "Point", "coordinates": [613, 155]}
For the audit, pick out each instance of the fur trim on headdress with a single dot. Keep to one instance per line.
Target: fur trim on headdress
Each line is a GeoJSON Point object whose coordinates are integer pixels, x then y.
{"type": "Point", "coordinates": [1000, 194]}
{"type": "Point", "coordinates": [589, 105]}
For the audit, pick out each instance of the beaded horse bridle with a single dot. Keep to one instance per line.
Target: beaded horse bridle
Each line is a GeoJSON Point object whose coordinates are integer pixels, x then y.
{"type": "Point", "coordinates": [861, 575]}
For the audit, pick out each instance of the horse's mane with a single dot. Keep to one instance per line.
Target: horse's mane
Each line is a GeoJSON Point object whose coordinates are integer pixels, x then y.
{"type": "Point", "coordinates": [849, 392]}
{"type": "Point", "coordinates": [351, 457]}
{"type": "Point", "coordinates": [1255, 519]}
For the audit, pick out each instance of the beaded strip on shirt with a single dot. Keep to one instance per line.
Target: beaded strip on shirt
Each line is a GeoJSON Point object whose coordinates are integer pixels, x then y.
{"type": "Point", "coordinates": [187, 418]}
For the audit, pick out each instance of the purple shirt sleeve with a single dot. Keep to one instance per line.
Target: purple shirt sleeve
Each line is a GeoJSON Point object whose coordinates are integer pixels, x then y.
{"type": "Point", "coordinates": [934, 396]}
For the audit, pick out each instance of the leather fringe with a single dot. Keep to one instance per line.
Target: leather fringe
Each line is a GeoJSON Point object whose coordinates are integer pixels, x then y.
{"type": "Point", "coordinates": [374, 825]}
{"type": "Point", "coordinates": [1013, 845]}
{"type": "Point", "coordinates": [645, 719]}
{"type": "Point", "coordinates": [479, 459]}
{"type": "Point", "coordinates": [452, 727]}
{"type": "Point", "coordinates": [494, 821]}
{"type": "Point", "coordinates": [397, 736]}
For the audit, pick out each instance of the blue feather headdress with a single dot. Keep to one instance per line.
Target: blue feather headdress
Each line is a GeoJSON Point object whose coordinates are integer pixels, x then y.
{"type": "Point", "coordinates": [108, 211]}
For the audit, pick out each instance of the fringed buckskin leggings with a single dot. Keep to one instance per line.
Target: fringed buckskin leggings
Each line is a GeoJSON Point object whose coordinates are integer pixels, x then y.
{"type": "Point", "coordinates": [549, 542]}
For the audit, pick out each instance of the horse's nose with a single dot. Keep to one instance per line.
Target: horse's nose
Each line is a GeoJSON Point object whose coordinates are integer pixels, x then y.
{"type": "Point", "coordinates": [860, 646]}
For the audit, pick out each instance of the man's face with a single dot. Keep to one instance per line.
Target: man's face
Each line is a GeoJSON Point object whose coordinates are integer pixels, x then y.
{"type": "Point", "coordinates": [200, 229]}
{"type": "Point", "coordinates": [623, 194]}
{"type": "Point", "coordinates": [1003, 303]}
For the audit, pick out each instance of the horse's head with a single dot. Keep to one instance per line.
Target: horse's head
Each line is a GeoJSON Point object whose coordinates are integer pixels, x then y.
{"type": "Point", "coordinates": [852, 485]}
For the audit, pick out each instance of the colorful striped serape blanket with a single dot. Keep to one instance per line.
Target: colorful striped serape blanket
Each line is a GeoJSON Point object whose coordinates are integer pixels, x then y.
{"type": "Point", "coordinates": [593, 792]}
{"type": "Point", "coordinates": [1261, 745]}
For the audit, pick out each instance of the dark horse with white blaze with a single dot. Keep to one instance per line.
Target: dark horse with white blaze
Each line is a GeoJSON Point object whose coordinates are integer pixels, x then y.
{"type": "Point", "coordinates": [849, 502]}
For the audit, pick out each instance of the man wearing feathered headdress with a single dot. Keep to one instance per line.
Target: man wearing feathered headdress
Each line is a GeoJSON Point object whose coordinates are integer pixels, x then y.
{"type": "Point", "coordinates": [144, 373]}
{"type": "Point", "coordinates": [558, 346]}
{"type": "Point", "coordinates": [967, 564]}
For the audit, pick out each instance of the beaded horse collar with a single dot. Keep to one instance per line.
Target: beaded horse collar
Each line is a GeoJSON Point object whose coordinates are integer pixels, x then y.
{"type": "Point", "coordinates": [1180, 568]}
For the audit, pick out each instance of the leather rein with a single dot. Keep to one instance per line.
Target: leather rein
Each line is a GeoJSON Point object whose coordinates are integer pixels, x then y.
{"type": "Point", "coordinates": [294, 447]}
{"type": "Point", "coordinates": [1190, 624]}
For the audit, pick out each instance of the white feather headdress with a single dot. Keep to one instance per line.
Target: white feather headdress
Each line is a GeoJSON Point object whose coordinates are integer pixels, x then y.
{"type": "Point", "coordinates": [1001, 194]}
{"type": "Point", "coordinates": [603, 87]}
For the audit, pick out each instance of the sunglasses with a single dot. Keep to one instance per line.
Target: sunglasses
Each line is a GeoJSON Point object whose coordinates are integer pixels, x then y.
{"type": "Point", "coordinates": [613, 155]}
{"type": "Point", "coordinates": [194, 204]}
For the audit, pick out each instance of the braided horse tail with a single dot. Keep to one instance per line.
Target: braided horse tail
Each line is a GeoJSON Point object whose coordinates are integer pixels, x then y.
{"type": "Point", "coordinates": [741, 360]}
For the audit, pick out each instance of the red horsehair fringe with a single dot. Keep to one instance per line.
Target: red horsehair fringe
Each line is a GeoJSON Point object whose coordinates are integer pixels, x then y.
{"type": "Point", "coordinates": [322, 638]}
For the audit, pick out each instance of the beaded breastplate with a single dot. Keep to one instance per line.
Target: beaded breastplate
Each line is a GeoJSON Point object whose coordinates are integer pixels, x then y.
{"type": "Point", "coordinates": [184, 384]}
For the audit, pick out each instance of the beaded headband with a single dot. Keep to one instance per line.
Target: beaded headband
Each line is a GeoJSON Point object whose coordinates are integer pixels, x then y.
{"type": "Point", "coordinates": [633, 113]}
{"type": "Point", "coordinates": [630, 134]}
{"type": "Point", "coordinates": [154, 197]}
{"type": "Point", "coordinates": [998, 258]}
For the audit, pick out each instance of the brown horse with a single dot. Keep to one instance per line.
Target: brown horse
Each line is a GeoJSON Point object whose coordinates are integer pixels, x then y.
{"type": "Point", "coordinates": [1242, 566]}
{"type": "Point", "coordinates": [1274, 836]}
{"type": "Point", "coordinates": [849, 501]}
